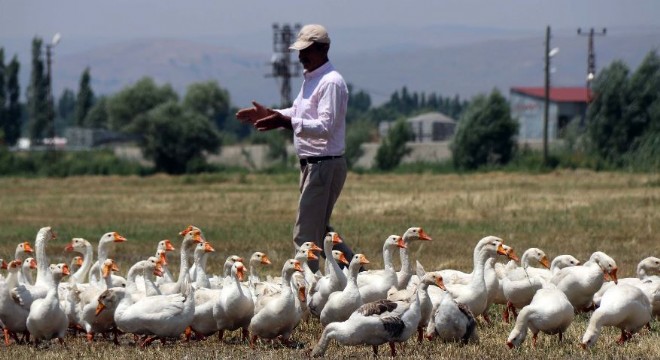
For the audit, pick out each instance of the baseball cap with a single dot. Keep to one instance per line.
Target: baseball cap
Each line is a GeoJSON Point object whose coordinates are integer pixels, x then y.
{"type": "Point", "coordinates": [310, 34]}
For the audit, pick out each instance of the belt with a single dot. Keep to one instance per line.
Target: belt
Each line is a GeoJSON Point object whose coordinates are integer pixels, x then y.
{"type": "Point", "coordinates": [318, 159]}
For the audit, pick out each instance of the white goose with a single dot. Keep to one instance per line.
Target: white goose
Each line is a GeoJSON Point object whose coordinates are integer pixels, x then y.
{"type": "Point", "coordinates": [623, 306]}
{"type": "Point", "coordinates": [235, 308]}
{"type": "Point", "coordinates": [85, 248]}
{"type": "Point", "coordinates": [25, 294]}
{"type": "Point", "coordinates": [89, 320]}
{"type": "Point", "coordinates": [279, 317]}
{"type": "Point", "coordinates": [341, 304]}
{"type": "Point", "coordinates": [75, 264]}
{"type": "Point", "coordinates": [257, 261]}
{"type": "Point", "coordinates": [23, 250]}
{"type": "Point", "coordinates": [164, 246]}
{"type": "Point", "coordinates": [334, 280]}
{"type": "Point", "coordinates": [29, 264]}
{"type": "Point", "coordinates": [374, 284]}
{"type": "Point", "coordinates": [519, 286]}
{"type": "Point", "coordinates": [581, 282]}
{"type": "Point", "coordinates": [188, 243]}
{"type": "Point", "coordinates": [375, 323]}
{"type": "Point", "coordinates": [451, 321]}
{"type": "Point", "coordinates": [12, 315]}
{"type": "Point", "coordinates": [549, 311]}
{"type": "Point", "coordinates": [411, 235]}
{"type": "Point", "coordinates": [46, 319]}
{"type": "Point", "coordinates": [105, 243]}
{"type": "Point", "coordinates": [201, 253]}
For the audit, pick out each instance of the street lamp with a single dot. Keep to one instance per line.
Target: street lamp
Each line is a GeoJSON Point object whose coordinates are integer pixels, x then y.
{"type": "Point", "coordinates": [51, 106]}
{"type": "Point", "coordinates": [548, 55]}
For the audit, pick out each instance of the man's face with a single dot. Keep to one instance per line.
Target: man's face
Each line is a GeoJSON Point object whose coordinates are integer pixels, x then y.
{"type": "Point", "coordinates": [313, 56]}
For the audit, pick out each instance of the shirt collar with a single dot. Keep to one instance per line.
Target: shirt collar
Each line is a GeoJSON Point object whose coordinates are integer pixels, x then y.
{"type": "Point", "coordinates": [318, 71]}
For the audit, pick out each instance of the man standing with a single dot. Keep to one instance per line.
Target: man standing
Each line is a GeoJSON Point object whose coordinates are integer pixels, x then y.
{"type": "Point", "coordinates": [318, 120]}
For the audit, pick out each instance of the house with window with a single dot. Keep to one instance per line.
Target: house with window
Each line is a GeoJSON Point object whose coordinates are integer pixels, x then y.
{"type": "Point", "coordinates": [427, 127]}
{"type": "Point", "coordinates": [566, 104]}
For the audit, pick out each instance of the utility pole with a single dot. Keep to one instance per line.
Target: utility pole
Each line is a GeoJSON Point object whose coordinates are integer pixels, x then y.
{"type": "Point", "coordinates": [591, 57]}
{"type": "Point", "coordinates": [282, 67]}
{"type": "Point", "coordinates": [546, 107]}
{"type": "Point", "coordinates": [49, 96]}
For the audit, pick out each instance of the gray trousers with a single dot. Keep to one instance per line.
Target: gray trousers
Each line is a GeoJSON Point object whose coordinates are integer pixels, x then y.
{"type": "Point", "coordinates": [320, 186]}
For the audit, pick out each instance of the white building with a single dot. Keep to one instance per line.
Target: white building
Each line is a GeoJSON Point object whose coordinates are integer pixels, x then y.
{"type": "Point", "coordinates": [427, 127]}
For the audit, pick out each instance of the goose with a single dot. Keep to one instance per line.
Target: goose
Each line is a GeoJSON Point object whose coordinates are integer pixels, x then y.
{"type": "Point", "coordinates": [279, 317]}
{"type": "Point", "coordinates": [85, 248]}
{"type": "Point", "coordinates": [23, 250]}
{"type": "Point", "coordinates": [475, 294]}
{"type": "Point", "coordinates": [24, 294]}
{"type": "Point", "coordinates": [46, 319]}
{"type": "Point", "coordinates": [549, 311]}
{"type": "Point", "coordinates": [411, 235]}
{"type": "Point", "coordinates": [647, 280]}
{"type": "Point", "coordinates": [519, 286]}
{"type": "Point", "coordinates": [333, 280]}
{"type": "Point", "coordinates": [187, 245]}
{"type": "Point", "coordinates": [235, 308]}
{"type": "Point", "coordinates": [375, 323]}
{"type": "Point", "coordinates": [200, 256]}
{"type": "Point", "coordinates": [75, 264]}
{"type": "Point", "coordinates": [26, 270]}
{"type": "Point", "coordinates": [164, 246]}
{"type": "Point", "coordinates": [12, 315]}
{"type": "Point", "coordinates": [623, 306]}
{"type": "Point", "coordinates": [341, 304]}
{"type": "Point", "coordinates": [451, 321]}
{"type": "Point", "coordinates": [374, 284]}
{"type": "Point", "coordinates": [95, 272]}
{"type": "Point", "coordinates": [581, 282]}
{"type": "Point", "coordinates": [425, 304]}
{"type": "Point", "coordinates": [89, 320]}
{"type": "Point", "coordinates": [257, 261]}
{"type": "Point", "coordinates": [452, 276]}
{"type": "Point", "coordinates": [158, 316]}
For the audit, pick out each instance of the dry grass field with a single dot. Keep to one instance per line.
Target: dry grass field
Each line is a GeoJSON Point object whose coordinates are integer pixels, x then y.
{"type": "Point", "coordinates": [565, 212]}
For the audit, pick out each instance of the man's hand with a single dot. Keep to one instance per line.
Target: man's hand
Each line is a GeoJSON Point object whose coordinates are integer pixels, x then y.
{"type": "Point", "coordinates": [273, 121]}
{"type": "Point", "coordinates": [251, 115]}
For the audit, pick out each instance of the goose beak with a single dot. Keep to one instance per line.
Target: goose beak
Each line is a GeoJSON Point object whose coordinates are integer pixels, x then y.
{"type": "Point", "coordinates": [511, 254]}
{"type": "Point", "coordinates": [65, 270]}
{"type": "Point", "coordinates": [114, 267]}
{"type": "Point", "coordinates": [311, 255]}
{"type": "Point", "coordinates": [27, 248]}
{"type": "Point", "coordinates": [423, 235]}
{"type": "Point", "coordinates": [158, 270]}
{"type": "Point", "coordinates": [297, 266]}
{"type": "Point", "coordinates": [363, 260]}
{"type": "Point", "coordinates": [105, 271]}
{"type": "Point", "coordinates": [400, 243]}
{"type": "Point", "coordinates": [342, 259]}
{"type": "Point", "coordinates": [99, 308]}
{"type": "Point", "coordinates": [440, 283]}
{"type": "Point", "coordinates": [613, 275]}
{"type": "Point", "coordinates": [545, 262]}
{"type": "Point", "coordinates": [169, 246]}
{"type": "Point", "coordinates": [265, 260]}
{"type": "Point", "coordinates": [316, 248]}
{"type": "Point", "coordinates": [336, 239]}
{"type": "Point", "coordinates": [502, 251]}
{"type": "Point", "coordinates": [208, 247]}
{"type": "Point", "coordinates": [33, 264]}
{"type": "Point", "coordinates": [68, 247]}
{"type": "Point", "coordinates": [186, 230]}
{"type": "Point", "coordinates": [197, 237]}
{"type": "Point", "coordinates": [163, 259]}
{"type": "Point", "coordinates": [118, 238]}
{"type": "Point", "coordinates": [240, 272]}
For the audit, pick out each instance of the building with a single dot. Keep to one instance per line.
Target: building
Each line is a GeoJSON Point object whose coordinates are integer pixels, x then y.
{"type": "Point", "coordinates": [566, 104]}
{"type": "Point", "coordinates": [427, 127]}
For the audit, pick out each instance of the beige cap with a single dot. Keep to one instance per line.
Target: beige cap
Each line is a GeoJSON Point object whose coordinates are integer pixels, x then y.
{"type": "Point", "coordinates": [310, 34]}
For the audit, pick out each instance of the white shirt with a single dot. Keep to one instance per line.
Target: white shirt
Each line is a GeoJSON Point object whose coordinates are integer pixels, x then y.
{"type": "Point", "coordinates": [318, 114]}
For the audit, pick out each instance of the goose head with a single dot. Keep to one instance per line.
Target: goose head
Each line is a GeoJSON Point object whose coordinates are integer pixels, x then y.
{"type": "Point", "coordinates": [305, 255]}
{"type": "Point", "coordinates": [510, 253]}
{"type": "Point", "coordinates": [258, 258]}
{"type": "Point", "coordinates": [516, 337]}
{"type": "Point", "coordinates": [153, 265]}
{"type": "Point", "coordinates": [109, 266]}
{"type": "Point", "coordinates": [339, 257]}
{"type": "Point", "coordinates": [491, 245]}
{"type": "Point", "coordinates": [229, 262]}
{"type": "Point", "coordinates": [30, 263]}
{"type": "Point", "coordinates": [537, 255]}
{"type": "Point", "coordinates": [360, 259]}
{"type": "Point", "coordinates": [24, 248]}
{"type": "Point", "coordinates": [238, 270]}
{"type": "Point", "coordinates": [434, 278]}
{"type": "Point", "coordinates": [162, 256]}
{"type": "Point", "coordinates": [46, 233]}
{"type": "Point", "coordinates": [203, 248]}
{"type": "Point", "coordinates": [109, 299]}
{"type": "Point", "coordinates": [291, 266]}
{"type": "Point", "coordinates": [606, 263]}
{"type": "Point", "coordinates": [165, 245]}
{"type": "Point", "coordinates": [394, 241]}
{"type": "Point", "coordinates": [648, 266]}
{"type": "Point", "coordinates": [78, 245]}
{"type": "Point", "coordinates": [190, 239]}
{"type": "Point", "coordinates": [331, 239]}
{"type": "Point", "coordinates": [562, 261]}
{"type": "Point", "coordinates": [59, 271]}
{"type": "Point", "coordinates": [415, 233]}
{"type": "Point", "coordinates": [191, 228]}
{"type": "Point", "coordinates": [309, 245]}
{"type": "Point", "coordinates": [14, 266]}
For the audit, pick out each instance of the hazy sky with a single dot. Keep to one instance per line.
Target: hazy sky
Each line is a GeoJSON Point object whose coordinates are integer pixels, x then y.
{"type": "Point", "coordinates": [120, 19]}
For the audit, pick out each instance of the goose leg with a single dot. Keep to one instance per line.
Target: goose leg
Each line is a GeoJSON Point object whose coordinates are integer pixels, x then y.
{"type": "Point", "coordinates": [534, 339]}
{"type": "Point", "coordinates": [392, 349]}
{"type": "Point", "coordinates": [90, 337]}
{"type": "Point", "coordinates": [375, 348]}
{"type": "Point", "coordinates": [6, 331]}
{"type": "Point", "coordinates": [253, 340]}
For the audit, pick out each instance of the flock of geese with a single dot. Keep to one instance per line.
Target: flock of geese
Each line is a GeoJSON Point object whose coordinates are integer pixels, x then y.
{"type": "Point", "coordinates": [355, 306]}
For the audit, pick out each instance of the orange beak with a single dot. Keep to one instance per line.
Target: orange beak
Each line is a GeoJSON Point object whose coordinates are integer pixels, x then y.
{"type": "Point", "coordinates": [163, 259]}
{"type": "Point", "coordinates": [311, 255]}
{"type": "Point", "coordinates": [315, 248]}
{"type": "Point", "coordinates": [79, 261]}
{"type": "Point", "coordinates": [208, 247]}
{"type": "Point", "coordinates": [336, 239]}
{"type": "Point", "coordinates": [423, 235]}
{"type": "Point", "coordinates": [17, 263]}
{"type": "Point", "coordinates": [114, 267]}
{"type": "Point", "coordinates": [197, 237]}
{"type": "Point", "coordinates": [501, 250]}
{"type": "Point", "coordinates": [33, 264]}
{"type": "Point", "coordinates": [106, 271]}
{"type": "Point", "coordinates": [511, 254]}
{"type": "Point", "coordinates": [297, 266]}
{"type": "Point", "coordinates": [400, 243]}
{"type": "Point", "coordinates": [68, 247]}
{"type": "Point", "coordinates": [118, 238]}
{"type": "Point", "coordinates": [65, 269]}
{"type": "Point", "coordinates": [158, 271]}
{"type": "Point", "coordinates": [613, 275]}
{"type": "Point", "coordinates": [99, 308]}
{"type": "Point", "coordinates": [169, 246]}
{"type": "Point", "coordinates": [440, 283]}
{"type": "Point", "coordinates": [240, 272]}
{"type": "Point", "coordinates": [545, 262]}
{"type": "Point", "coordinates": [342, 258]}
{"type": "Point", "coordinates": [363, 260]}
{"type": "Point", "coordinates": [27, 248]}
{"type": "Point", "coordinates": [265, 260]}
{"type": "Point", "coordinates": [583, 346]}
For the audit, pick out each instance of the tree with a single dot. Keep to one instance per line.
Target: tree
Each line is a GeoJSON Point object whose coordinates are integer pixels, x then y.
{"type": "Point", "coordinates": [608, 130]}
{"type": "Point", "coordinates": [357, 133]}
{"type": "Point", "coordinates": [3, 95]}
{"type": "Point", "coordinates": [486, 133]}
{"type": "Point", "coordinates": [65, 109]}
{"type": "Point", "coordinates": [393, 147]}
{"type": "Point", "coordinates": [175, 139]}
{"type": "Point", "coordinates": [209, 100]}
{"type": "Point", "coordinates": [37, 96]}
{"type": "Point", "coordinates": [85, 98]}
{"type": "Point", "coordinates": [13, 115]}
{"type": "Point", "coordinates": [97, 116]}
{"type": "Point", "coordinates": [127, 107]}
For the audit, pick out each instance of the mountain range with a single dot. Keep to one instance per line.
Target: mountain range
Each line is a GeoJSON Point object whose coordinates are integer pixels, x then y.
{"type": "Point", "coordinates": [463, 62]}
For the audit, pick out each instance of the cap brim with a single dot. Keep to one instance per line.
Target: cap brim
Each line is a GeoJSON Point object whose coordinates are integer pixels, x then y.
{"type": "Point", "coordinates": [300, 45]}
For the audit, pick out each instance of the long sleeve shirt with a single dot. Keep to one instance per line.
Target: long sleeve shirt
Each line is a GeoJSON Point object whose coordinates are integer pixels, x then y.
{"type": "Point", "coordinates": [318, 114]}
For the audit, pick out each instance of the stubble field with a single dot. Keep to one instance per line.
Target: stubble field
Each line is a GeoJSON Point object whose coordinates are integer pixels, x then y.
{"type": "Point", "coordinates": [566, 212]}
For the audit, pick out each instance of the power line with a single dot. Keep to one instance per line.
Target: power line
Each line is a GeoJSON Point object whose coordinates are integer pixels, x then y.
{"type": "Point", "coordinates": [591, 56]}
{"type": "Point", "coordinates": [282, 67]}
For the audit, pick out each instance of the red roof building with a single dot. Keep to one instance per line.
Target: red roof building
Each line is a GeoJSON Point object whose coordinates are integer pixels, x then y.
{"type": "Point", "coordinates": [566, 104]}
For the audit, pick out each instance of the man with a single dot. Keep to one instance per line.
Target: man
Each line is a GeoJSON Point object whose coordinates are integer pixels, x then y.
{"type": "Point", "coordinates": [318, 120]}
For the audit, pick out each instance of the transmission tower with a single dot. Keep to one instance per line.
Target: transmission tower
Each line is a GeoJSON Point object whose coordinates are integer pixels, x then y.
{"type": "Point", "coordinates": [282, 67]}
{"type": "Point", "coordinates": [591, 56]}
